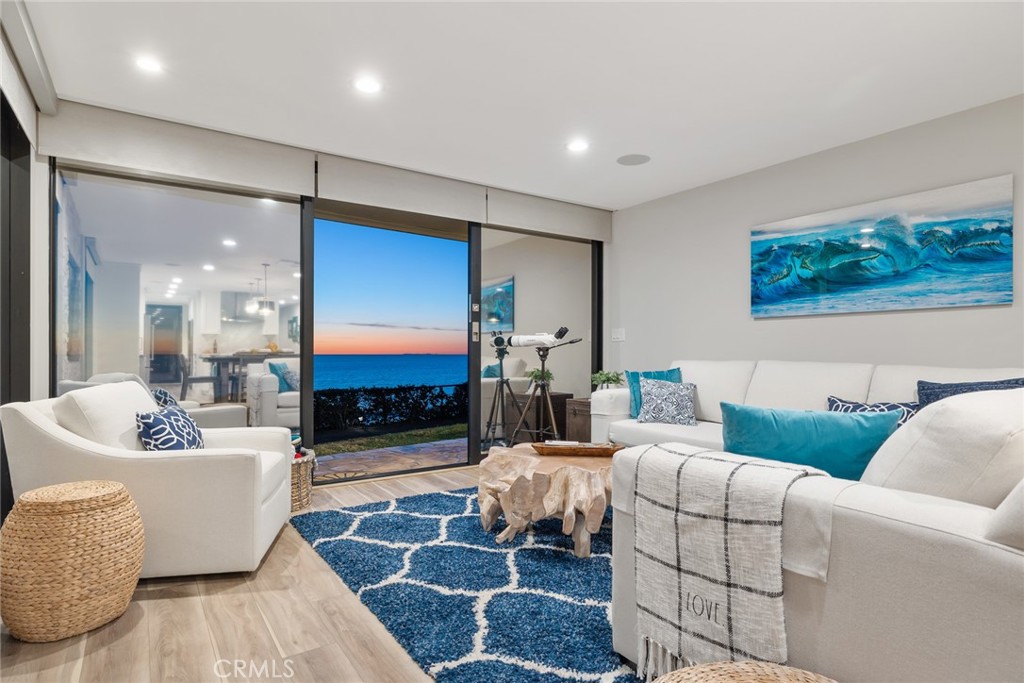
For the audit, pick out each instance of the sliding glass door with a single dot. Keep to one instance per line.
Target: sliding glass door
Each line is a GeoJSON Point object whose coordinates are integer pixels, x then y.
{"type": "Point", "coordinates": [391, 344]}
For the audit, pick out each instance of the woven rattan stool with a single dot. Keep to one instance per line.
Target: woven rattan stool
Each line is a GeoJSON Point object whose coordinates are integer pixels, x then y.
{"type": "Point", "coordinates": [70, 557]}
{"type": "Point", "coordinates": [741, 672]}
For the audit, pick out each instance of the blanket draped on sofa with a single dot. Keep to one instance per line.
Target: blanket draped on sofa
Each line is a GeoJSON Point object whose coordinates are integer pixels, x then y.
{"type": "Point", "coordinates": [708, 530]}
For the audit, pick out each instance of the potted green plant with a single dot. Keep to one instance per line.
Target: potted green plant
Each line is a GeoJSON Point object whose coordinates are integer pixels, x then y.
{"type": "Point", "coordinates": [538, 375]}
{"type": "Point", "coordinates": [605, 379]}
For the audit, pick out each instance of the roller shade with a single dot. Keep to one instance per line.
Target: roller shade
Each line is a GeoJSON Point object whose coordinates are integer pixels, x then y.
{"type": "Point", "coordinates": [363, 182]}
{"type": "Point", "coordinates": [112, 139]}
{"type": "Point", "coordinates": [527, 212]}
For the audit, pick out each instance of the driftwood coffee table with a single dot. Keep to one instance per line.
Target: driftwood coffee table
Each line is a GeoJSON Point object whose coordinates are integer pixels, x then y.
{"type": "Point", "coordinates": [527, 487]}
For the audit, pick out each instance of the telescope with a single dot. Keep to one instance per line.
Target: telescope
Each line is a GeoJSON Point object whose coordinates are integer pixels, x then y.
{"type": "Point", "coordinates": [544, 339]}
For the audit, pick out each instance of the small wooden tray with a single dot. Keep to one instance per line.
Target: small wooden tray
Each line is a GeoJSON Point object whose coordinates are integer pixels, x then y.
{"type": "Point", "coordinates": [596, 450]}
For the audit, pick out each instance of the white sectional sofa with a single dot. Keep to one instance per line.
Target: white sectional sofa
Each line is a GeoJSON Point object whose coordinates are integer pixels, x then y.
{"type": "Point", "coordinates": [268, 406]}
{"type": "Point", "coordinates": [769, 384]}
{"type": "Point", "coordinates": [916, 587]}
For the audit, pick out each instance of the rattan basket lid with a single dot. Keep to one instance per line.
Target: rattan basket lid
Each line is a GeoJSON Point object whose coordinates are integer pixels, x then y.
{"type": "Point", "coordinates": [742, 672]}
{"type": "Point", "coordinates": [71, 497]}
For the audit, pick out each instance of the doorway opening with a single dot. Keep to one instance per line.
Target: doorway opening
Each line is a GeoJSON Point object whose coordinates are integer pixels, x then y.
{"type": "Point", "coordinates": [391, 349]}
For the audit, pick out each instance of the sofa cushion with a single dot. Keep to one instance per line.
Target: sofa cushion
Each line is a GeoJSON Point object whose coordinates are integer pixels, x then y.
{"type": "Point", "coordinates": [930, 392]}
{"type": "Point", "coordinates": [899, 382]}
{"type": "Point", "coordinates": [907, 410]}
{"type": "Point", "coordinates": [633, 433]}
{"type": "Point", "coordinates": [717, 381]}
{"type": "Point", "coordinates": [633, 381]}
{"type": "Point", "coordinates": [168, 429]}
{"type": "Point", "coordinates": [278, 369]}
{"type": "Point", "coordinates": [105, 413]}
{"type": "Point", "coordinates": [289, 399]}
{"type": "Point", "coordinates": [841, 444]}
{"type": "Point", "coordinates": [666, 402]}
{"type": "Point", "coordinates": [1006, 525]}
{"type": "Point", "coordinates": [491, 372]}
{"type": "Point", "coordinates": [806, 386]}
{"type": "Point", "coordinates": [968, 447]}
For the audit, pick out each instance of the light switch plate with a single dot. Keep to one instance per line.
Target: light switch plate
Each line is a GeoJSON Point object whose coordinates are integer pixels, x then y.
{"type": "Point", "coordinates": [618, 334]}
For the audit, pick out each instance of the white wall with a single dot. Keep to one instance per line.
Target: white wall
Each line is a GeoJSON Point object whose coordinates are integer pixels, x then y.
{"type": "Point", "coordinates": [552, 290]}
{"type": "Point", "coordinates": [117, 293]}
{"type": "Point", "coordinates": [677, 274]}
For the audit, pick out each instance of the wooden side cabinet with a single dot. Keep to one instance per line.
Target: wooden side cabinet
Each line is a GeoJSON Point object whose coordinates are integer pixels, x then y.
{"type": "Point", "coordinates": [577, 420]}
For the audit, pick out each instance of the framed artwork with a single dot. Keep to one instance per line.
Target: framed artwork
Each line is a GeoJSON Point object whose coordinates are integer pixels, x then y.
{"type": "Point", "coordinates": [498, 305]}
{"type": "Point", "coordinates": [952, 246]}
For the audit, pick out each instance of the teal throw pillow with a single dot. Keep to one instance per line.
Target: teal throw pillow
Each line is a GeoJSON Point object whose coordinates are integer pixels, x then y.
{"type": "Point", "coordinates": [490, 372]}
{"type": "Point", "coordinates": [841, 444]}
{"type": "Point", "coordinates": [633, 380]}
{"type": "Point", "coordinates": [280, 369]}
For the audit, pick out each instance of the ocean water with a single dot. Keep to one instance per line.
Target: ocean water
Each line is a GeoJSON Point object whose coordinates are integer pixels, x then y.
{"type": "Point", "coordinates": [349, 371]}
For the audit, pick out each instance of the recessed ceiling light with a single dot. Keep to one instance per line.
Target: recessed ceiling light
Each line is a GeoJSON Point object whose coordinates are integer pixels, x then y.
{"type": "Point", "coordinates": [149, 64]}
{"type": "Point", "coordinates": [208, 267]}
{"type": "Point", "coordinates": [296, 274]}
{"type": "Point", "coordinates": [578, 145]}
{"type": "Point", "coordinates": [295, 297]}
{"type": "Point", "coordinates": [368, 85]}
{"type": "Point", "coordinates": [173, 286]}
{"type": "Point", "coordinates": [229, 243]}
{"type": "Point", "coordinates": [176, 280]}
{"type": "Point", "coordinates": [633, 159]}
{"type": "Point", "coordinates": [169, 295]}
{"type": "Point", "coordinates": [281, 301]}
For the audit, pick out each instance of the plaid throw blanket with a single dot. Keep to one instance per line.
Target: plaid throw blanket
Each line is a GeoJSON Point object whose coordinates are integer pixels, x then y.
{"type": "Point", "coordinates": [708, 554]}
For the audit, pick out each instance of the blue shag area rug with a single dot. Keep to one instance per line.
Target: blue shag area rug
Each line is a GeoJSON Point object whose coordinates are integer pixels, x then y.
{"type": "Point", "coordinates": [465, 608]}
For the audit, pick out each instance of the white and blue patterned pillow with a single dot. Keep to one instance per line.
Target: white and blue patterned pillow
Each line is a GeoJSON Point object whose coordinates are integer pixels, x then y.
{"type": "Point", "coordinates": [666, 402]}
{"type": "Point", "coordinates": [163, 398]}
{"type": "Point", "coordinates": [168, 429]}
{"type": "Point", "coordinates": [907, 410]}
{"type": "Point", "coordinates": [291, 378]}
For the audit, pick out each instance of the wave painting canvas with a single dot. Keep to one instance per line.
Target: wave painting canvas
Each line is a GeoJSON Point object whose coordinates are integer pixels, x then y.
{"type": "Point", "coordinates": [947, 247]}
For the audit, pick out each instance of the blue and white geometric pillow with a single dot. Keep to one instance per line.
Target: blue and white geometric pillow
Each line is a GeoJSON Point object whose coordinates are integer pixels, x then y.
{"type": "Point", "coordinates": [291, 378]}
{"type": "Point", "coordinates": [907, 410]}
{"type": "Point", "coordinates": [930, 392]}
{"type": "Point", "coordinates": [666, 402]}
{"type": "Point", "coordinates": [168, 429]}
{"type": "Point", "coordinates": [164, 398]}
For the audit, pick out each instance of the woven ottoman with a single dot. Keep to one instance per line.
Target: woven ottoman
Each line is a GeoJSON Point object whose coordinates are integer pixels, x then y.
{"type": "Point", "coordinates": [741, 672]}
{"type": "Point", "coordinates": [70, 557]}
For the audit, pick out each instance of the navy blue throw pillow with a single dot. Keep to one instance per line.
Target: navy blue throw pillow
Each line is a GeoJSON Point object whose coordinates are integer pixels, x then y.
{"type": "Point", "coordinates": [907, 410]}
{"type": "Point", "coordinates": [163, 398]}
{"type": "Point", "coordinates": [168, 429]}
{"type": "Point", "coordinates": [930, 392]}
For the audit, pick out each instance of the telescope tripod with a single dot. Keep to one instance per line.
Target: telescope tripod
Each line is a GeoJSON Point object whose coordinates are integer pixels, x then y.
{"type": "Point", "coordinates": [496, 418]}
{"type": "Point", "coordinates": [546, 415]}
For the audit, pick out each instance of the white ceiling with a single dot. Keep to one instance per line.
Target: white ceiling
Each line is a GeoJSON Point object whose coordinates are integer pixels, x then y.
{"type": "Point", "coordinates": [174, 232]}
{"type": "Point", "coordinates": [491, 92]}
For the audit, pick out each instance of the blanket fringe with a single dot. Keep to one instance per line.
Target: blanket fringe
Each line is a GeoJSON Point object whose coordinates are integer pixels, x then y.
{"type": "Point", "coordinates": [657, 660]}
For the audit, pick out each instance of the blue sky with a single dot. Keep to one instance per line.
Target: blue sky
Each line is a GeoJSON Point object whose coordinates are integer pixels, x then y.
{"type": "Point", "coordinates": [382, 291]}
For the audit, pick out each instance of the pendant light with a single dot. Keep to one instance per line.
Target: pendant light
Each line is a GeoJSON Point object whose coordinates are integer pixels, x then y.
{"type": "Point", "coordinates": [266, 305]}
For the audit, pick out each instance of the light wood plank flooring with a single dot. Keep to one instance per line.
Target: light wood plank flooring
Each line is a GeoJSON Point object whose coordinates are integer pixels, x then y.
{"type": "Point", "coordinates": [292, 615]}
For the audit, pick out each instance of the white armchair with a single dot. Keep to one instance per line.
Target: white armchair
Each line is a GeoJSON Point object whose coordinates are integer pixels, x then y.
{"type": "Point", "coordinates": [206, 511]}
{"type": "Point", "coordinates": [268, 406]}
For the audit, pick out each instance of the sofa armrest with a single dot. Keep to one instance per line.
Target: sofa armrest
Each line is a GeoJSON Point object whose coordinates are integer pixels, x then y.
{"type": "Point", "coordinates": [277, 439]}
{"type": "Point", "coordinates": [607, 406]}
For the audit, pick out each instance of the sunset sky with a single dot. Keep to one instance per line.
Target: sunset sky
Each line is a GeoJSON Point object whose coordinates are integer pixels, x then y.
{"type": "Point", "coordinates": [382, 292]}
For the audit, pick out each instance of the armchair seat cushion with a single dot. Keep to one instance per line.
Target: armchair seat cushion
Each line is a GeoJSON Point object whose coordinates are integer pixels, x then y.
{"type": "Point", "coordinates": [289, 399]}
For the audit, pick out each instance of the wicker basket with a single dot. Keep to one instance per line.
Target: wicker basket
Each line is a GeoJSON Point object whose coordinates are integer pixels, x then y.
{"type": "Point", "coordinates": [741, 672]}
{"type": "Point", "coordinates": [70, 557]}
{"type": "Point", "coordinates": [302, 480]}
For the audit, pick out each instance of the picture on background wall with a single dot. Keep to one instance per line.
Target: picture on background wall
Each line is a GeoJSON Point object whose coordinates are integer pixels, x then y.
{"type": "Point", "coordinates": [947, 247]}
{"type": "Point", "coordinates": [498, 305]}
